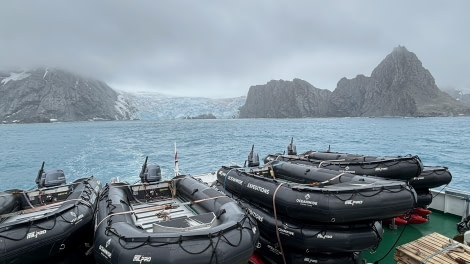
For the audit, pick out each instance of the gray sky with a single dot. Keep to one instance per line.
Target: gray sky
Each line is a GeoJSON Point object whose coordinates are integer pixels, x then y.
{"type": "Point", "coordinates": [221, 48]}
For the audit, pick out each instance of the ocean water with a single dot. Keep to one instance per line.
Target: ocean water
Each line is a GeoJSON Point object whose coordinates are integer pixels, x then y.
{"type": "Point", "coordinates": [114, 149]}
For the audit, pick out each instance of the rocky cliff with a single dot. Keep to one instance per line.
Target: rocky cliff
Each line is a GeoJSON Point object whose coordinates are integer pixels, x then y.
{"type": "Point", "coordinates": [45, 95]}
{"type": "Point", "coordinates": [398, 86]}
{"type": "Point", "coordinates": [282, 99]}
{"type": "Point", "coordinates": [459, 95]}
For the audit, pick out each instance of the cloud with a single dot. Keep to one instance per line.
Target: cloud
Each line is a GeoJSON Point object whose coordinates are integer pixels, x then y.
{"type": "Point", "coordinates": [220, 49]}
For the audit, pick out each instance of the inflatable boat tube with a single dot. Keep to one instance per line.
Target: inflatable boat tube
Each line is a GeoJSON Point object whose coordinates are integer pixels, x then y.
{"type": "Point", "coordinates": [308, 174]}
{"type": "Point", "coordinates": [360, 199]}
{"type": "Point", "coordinates": [321, 237]}
{"type": "Point", "coordinates": [399, 168]}
{"type": "Point", "coordinates": [47, 222]}
{"type": "Point", "coordinates": [178, 221]}
{"type": "Point", "coordinates": [432, 177]}
{"type": "Point", "coordinates": [272, 253]}
{"type": "Point", "coordinates": [424, 197]}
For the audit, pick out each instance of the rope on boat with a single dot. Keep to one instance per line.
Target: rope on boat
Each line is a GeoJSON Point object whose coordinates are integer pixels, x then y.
{"type": "Point", "coordinates": [445, 186]}
{"type": "Point", "coordinates": [276, 224]}
{"type": "Point", "coordinates": [326, 161]}
{"type": "Point", "coordinates": [388, 161]}
{"type": "Point", "coordinates": [271, 172]}
{"type": "Point", "coordinates": [40, 208]}
{"type": "Point", "coordinates": [157, 207]}
{"type": "Point", "coordinates": [396, 241]}
{"type": "Point", "coordinates": [328, 181]}
{"type": "Point", "coordinates": [16, 191]}
{"type": "Point", "coordinates": [212, 243]}
{"type": "Point", "coordinates": [121, 184]}
{"type": "Point", "coordinates": [84, 199]}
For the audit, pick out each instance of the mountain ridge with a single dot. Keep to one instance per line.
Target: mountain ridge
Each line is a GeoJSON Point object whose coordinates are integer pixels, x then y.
{"type": "Point", "coordinates": [49, 94]}
{"type": "Point", "coordinates": [398, 86]}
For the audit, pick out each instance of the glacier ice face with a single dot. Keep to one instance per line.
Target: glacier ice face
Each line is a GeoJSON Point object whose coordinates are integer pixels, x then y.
{"type": "Point", "coordinates": [155, 106]}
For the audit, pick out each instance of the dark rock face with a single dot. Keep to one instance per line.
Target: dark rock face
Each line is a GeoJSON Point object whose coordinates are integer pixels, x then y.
{"type": "Point", "coordinates": [43, 95]}
{"type": "Point", "coordinates": [398, 86]}
{"type": "Point", "coordinates": [282, 99]}
{"type": "Point", "coordinates": [203, 116]}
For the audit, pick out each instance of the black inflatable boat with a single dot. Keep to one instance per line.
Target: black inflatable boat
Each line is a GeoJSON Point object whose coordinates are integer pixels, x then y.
{"type": "Point", "coordinates": [181, 220]}
{"type": "Point", "coordinates": [358, 199]}
{"type": "Point", "coordinates": [392, 167]}
{"type": "Point", "coordinates": [50, 221]}
{"type": "Point", "coordinates": [399, 167]}
{"type": "Point", "coordinates": [432, 177]}
{"type": "Point", "coordinates": [271, 253]}
{"type": "Point", "coordinates": [313, 237]}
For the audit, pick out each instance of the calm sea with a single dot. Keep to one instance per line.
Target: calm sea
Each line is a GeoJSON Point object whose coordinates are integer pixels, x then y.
{"type": "Point", "coordinates": [117, 149]}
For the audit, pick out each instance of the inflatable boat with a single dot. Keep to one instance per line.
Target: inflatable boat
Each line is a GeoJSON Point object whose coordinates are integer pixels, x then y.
{"type": "Point", "coordinates": [181, 220]}
{"type": "Point", "coordinates": [392, 167]}
{"type": "Point", "coordinates": [361, 198]}
{"type": "Point", "coordinates": [313, 237]}
{"type": "Point", "coordinates": [271, 252]}
{"type": "Point", "coordinates": [49, 221]}
{"type": "Point", "coordinates": [432, 177]}
{"type": "Point", "coordinates": [309, 174]}
{"type": "Point", "coordinates": [399, 168]}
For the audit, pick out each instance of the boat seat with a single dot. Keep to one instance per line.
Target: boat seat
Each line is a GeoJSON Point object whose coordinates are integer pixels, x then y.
{"type": "Point", "coordinates": [185, 223]}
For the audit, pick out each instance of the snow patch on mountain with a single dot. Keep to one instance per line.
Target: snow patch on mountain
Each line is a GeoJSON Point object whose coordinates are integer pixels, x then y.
{"type": "Point", "coordinates": [15, 77]}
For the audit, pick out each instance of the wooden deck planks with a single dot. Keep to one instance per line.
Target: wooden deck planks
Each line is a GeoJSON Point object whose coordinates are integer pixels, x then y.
{"type": "Point", "coordinates": [433, 249]}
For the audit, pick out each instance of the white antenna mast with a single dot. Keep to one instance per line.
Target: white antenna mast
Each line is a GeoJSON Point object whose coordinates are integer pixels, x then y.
{"type": "Point", "coordinates": [177, 170]}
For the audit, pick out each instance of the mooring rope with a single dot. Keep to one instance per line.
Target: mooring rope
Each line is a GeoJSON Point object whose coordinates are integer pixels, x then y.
{"type": "Point", "coordinates": [157, 207]}
{"type": "Point", "coordinates": [276, 224]}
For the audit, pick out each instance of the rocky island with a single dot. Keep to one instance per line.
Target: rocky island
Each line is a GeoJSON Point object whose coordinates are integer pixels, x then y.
{"type": "Point", "coordinates": [398, 86]}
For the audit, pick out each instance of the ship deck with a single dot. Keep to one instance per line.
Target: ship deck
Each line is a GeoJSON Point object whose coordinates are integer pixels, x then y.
{"type": "Point", "coordinates": [442, 223]}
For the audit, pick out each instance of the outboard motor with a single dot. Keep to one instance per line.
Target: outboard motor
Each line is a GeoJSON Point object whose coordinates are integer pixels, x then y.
{"type": "Point", "coordinates": [150, 173]}
{"type": "Point", "coordinates": [52, 178]}
{"type": "Point", "coordinates": [153, 173]}
{"type": "Point", "coordinates": [291, 149]}
{"type": "Point", "coordinates": [253, 158]}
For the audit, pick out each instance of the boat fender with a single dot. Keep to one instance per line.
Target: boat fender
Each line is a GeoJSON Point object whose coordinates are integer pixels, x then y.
{"type": "Point", "coordinates": [466, 238]}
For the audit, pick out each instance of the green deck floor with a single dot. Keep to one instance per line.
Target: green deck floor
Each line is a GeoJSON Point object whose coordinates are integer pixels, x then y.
{"type": "Point", "coordinates": [444, 224]}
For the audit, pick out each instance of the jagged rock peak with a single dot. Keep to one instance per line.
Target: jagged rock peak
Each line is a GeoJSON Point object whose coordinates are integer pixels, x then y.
{"type": "Point", "coordinates": [398, 86]}
{"type": "Point", "coordinates": [400, 61]}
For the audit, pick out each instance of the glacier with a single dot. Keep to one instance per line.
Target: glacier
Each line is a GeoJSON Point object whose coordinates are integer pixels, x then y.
{"type": "Point", "coordinates": [157, 106]}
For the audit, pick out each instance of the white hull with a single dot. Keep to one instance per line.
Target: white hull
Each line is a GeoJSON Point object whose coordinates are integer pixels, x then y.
{"type": "Point", "coordinates": [451, 201]}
